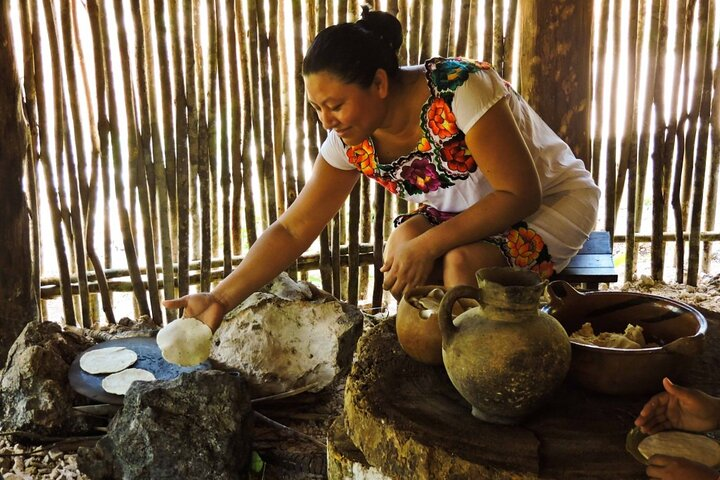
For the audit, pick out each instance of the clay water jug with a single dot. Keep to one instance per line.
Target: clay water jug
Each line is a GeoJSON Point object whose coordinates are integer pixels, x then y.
{"type": "Point", "coordinates": [505, 357]}
{"type": "Point", "coordinates": [417, 326]}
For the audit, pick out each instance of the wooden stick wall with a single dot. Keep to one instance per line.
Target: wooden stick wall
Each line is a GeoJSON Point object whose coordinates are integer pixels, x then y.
{"type": "Point", "coordinates": [170, 134]}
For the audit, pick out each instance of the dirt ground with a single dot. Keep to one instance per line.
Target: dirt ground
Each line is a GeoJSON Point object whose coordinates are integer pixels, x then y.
{"type": "Point", "coordinates": [706, 295]}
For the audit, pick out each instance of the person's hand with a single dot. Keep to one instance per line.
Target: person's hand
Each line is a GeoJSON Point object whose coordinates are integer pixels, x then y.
{"type": "Point", "coordinates": [675, 468]}
{"type": "Point", "coordinates": [407, 267]}
{"type": "Point", "coordinates": [203, 306]}
{"type": "Point", "coordinates": [679, 408]}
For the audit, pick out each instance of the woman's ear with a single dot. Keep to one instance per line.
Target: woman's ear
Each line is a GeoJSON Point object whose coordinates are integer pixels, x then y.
{"type": "Point", "coordinates": [381, 82]}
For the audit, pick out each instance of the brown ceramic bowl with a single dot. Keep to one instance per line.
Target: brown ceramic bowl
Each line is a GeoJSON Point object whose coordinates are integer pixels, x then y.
{"type": "Point", "coordinates": [677, 328]}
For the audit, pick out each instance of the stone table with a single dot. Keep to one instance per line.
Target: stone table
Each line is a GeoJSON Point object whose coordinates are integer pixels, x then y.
{"type": "Point", "coordinates": [404, 419]}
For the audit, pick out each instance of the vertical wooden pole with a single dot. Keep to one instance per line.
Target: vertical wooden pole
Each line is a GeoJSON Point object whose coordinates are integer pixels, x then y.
{"type": "Point", "coordinates": [556, 67]}
{"type": "Point", "coordinates": [17, 297]}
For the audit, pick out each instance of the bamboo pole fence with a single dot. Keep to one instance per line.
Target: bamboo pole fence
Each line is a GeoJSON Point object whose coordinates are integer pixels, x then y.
{"type": "Point", "coordinates": [167, 135]}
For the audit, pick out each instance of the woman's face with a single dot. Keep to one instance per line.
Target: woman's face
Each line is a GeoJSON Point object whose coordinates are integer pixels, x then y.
{"type": "Point", "coordinates": [354, 112]}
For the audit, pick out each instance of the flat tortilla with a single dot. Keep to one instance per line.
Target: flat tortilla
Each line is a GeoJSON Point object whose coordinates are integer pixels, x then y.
{"type": "Point", "coordinates": [692, 446]}
{"type": "Point", "coordinates": [119, 383]}
{"type": "Point", "coordinates": [107, 360]}
{"type": "Point", "coordinates": [186, 341]}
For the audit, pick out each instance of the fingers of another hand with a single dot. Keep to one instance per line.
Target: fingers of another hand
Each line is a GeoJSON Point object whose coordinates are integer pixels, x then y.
{"type": "Point", "coordinates": [675, 468]}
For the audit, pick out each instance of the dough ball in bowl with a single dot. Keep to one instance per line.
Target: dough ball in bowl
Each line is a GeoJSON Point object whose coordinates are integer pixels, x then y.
{"type": "Point", "coordinates": [185, 341]}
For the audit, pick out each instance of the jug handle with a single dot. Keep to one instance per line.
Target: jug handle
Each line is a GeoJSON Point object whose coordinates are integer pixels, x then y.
{"type": "Point", "coordinates": [689, 346]}
{"type": "Point", "coordinates": [445, 321]}
{"type": "Point", "coordinates": [560, 290]}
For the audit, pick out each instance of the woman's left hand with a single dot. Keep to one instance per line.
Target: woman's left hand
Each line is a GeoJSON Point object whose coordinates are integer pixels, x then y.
{"type": "Point", "coordinates": [408, 266]}
{"type": "Point", "coordinates": [675, 468]}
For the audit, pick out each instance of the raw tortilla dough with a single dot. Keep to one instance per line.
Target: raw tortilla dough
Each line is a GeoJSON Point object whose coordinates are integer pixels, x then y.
{"type": "Point", "coordinates": [107, 360]}
{"type": "Point", "coordinates": [632, 338]}
{"type": "Point", "coordinates": [185, 341]}
{"type": "Point", "coordinates": [119, 383]}
{"type": "Point", "coordinates": [692, 446]}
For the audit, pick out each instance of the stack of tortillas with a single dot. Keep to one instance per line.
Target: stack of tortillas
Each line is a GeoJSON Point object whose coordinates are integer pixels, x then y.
{"type": "Point", "coordinates": [691, 446]}
{"type": "Point", "coordinates": [115, 362]}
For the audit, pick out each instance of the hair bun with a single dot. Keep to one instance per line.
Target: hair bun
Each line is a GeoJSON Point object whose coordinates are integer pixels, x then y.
{"type": "Point", "coordinates": [382, 24]}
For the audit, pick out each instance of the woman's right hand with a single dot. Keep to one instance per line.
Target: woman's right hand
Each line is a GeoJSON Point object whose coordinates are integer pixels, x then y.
{"type": "Point", "coordinates": [203, 306]}
{"type": "Point", "coordinates": [679, 408]}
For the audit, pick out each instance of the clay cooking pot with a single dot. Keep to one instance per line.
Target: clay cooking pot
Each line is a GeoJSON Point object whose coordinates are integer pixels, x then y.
{"type": "Point", "coordinates": [677, 328]}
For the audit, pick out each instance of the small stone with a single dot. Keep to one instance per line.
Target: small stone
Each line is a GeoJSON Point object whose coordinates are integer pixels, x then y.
{"type": "Point", "coordinates": [646, 281]}
{"type": "Point", "coordinates": [55, 454]}
{"type": "Point", "coordinates": [31, 470]}
{"type": "Point", "coordinates": [18, 464]}
{"type": "Point", "coordinates": [6, 464]}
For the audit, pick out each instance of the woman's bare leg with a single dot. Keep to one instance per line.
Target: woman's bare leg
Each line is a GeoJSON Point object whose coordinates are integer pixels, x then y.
{"type": "Point", "coordinates": [461, 263]}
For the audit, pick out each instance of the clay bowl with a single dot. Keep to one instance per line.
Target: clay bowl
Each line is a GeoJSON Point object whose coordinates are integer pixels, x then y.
{"type": "Point", "coordinates": [677, 328]}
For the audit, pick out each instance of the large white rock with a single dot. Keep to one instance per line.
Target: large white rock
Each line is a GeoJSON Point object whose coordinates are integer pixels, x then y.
{"type": "Point", "coordinates": [295, 336]}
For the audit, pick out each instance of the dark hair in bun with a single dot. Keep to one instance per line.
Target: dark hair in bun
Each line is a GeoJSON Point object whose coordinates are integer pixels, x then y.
{"type": "Point", "coordinates": [354, 51]}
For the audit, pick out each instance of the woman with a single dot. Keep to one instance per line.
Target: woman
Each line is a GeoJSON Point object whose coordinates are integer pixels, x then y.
{"type": "Point", "coordinates": [496, 186]}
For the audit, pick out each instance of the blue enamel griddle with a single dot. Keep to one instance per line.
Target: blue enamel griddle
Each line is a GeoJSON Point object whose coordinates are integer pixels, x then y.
{"type": "Point", "coordinates": [149, 358]}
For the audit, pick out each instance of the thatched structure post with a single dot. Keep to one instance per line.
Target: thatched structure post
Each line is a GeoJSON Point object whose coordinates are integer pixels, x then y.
{"type": "Point", "coordinates": [17, 296]}
{"type": "Point", "coordinates": [555, 75]}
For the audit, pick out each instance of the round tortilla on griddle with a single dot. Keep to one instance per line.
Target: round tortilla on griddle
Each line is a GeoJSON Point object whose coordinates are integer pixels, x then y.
{"type": "Point", "coordinates": [691, 446]}
{"type": "Point", "coordinates": [119, 383]}
{"type": "Point", "coordinates": [107, 360]}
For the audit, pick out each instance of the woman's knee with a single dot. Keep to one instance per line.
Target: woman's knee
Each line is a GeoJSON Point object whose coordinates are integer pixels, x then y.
{"type": "Point", "coordinates": [406, 231]}
{"type": "Point", "coordinates": [461, 263]}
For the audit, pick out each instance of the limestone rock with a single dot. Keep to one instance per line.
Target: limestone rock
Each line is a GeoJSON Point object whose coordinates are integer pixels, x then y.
{"type": "Point", "coordinates": [288, 336]}
{"type": "Point", "coordinates": [35, 391]}
{"type": "Point", "coordinates": [345, 460]}
{"type": "Point", "coordinates": [198, 425]}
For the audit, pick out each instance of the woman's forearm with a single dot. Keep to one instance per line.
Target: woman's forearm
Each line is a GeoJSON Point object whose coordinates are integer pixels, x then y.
{"type": "Point", "coordinates": [491, 215]}
{"type": "Point", "coordinates": [292, 234]}
{"type": "Point", "coordinates": [268, 257]}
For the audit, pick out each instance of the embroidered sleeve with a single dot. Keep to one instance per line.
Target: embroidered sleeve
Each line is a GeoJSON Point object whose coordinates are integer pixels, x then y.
{"type": "Point", "coordinates": [483, 89]}
{"type": "Point", "coordinates": [333, 151]}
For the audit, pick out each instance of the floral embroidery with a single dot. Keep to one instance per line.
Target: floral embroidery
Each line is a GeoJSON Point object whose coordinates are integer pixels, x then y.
{"type": "Point", "coordinates": [390, 185]}
{"type": "Point", "coordinates": [441, 157]}
{"type": "Point", "coordinates": [441, 120]}
{"type": "Point", "coordinates": [363, 157]}
{"type": "Point", "coordinates": [433, 215]}
{"type": "Point", "coordinates": [424, 145]}
{"type": "Point", "coordinates": [457, 156]}
{"type": "Point", "coordinates": [449, 73]}
{"type": "Point", "coordinates": [544, 269]}
{"type": "Point", "coordinates": [524, 247]}
{"type": "Point", "coordinates": [421, 175]}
